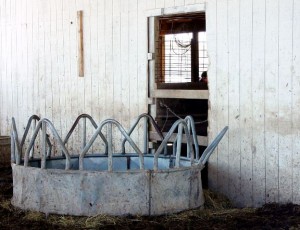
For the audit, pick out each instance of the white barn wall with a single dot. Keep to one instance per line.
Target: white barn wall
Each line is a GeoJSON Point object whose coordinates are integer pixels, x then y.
{"type": "Point", "coordinates": [254, 80]}
{"type": "Point", "coordinates": [262, 101]}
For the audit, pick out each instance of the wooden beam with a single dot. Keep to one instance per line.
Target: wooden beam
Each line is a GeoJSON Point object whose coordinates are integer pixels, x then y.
{"type": "Point", "coordinates": [80, 44]}
{"type": "Point", "coordinates": [184, 94]}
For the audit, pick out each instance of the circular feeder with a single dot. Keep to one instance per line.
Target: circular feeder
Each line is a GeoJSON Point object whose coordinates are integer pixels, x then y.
{"type": "Point", "coordinates": [109, 183]}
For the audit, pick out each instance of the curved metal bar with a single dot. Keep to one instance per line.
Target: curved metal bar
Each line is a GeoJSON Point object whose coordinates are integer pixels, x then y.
{"type": "Point", "coordinates": [191, 126]}
{"type": "Point", "coordinates": [35, 118]}
{"type": "Point", "coordinates": [93, 123]}
{"type": "Point", "coordinates": [152, 121]}
{"type": "Point", "coordinates": [123, 132]}
{"type": "Point", "coordinates": [16, 150]}
{"type": "Point", "coordinates": [209, 150]}
{"type": "Point", "coordinates": [166, 139]}
{"type": "Point", "coordinates": [48, 123]}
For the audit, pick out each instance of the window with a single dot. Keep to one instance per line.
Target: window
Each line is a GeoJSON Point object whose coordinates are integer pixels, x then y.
{"type": "Point", "coordinates": [182, 50]}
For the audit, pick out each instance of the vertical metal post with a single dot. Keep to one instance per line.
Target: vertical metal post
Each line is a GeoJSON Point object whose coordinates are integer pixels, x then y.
{"type": "Point", "coordinates": [44, 150]}
{"type": "Point", "coordinates": [178, 149]}
{"type": "Point", "coordinates": [84, 133]}
{"type": "Point", "coordinates": [146, 140]}
{"type": "Point", "coordinates": [32, 150]}
{"type": "Point", "coordinates": [12, 148]}
{"type": "Point", "coordinates": [188, 146]}
{"type": "Point", "coordinates": [110, 152]}
{"type": "Point", "coordinates": [195, 57]}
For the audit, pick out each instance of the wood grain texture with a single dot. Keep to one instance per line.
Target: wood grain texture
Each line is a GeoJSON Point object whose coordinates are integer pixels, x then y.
{"type": "Point", "coordinates": [80, 43]}
{"type": "Point", "coordinates": [246, 118]}
{"type": "Point", "coordinates": [258, 93]}
{"type": "Point", "coordinates": [296, 102]}
{"type": "Point", "coordinates": [271, 101]}
{"type": "Point", "coordinates": [222, 82]}
{"type": "Point", "coordinates": [285, 48]}
{"type": "Point", "coordinates": [254, 80]}
{"type": "Point", "coordinates": [212, 36]}
{"type": "Point", "coordinates": [234, 171]}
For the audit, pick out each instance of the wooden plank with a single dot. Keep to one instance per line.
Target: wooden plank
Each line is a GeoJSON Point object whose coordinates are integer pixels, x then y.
{"type": "Point", "coordinates": [234, 147]}
{"type": "Point", "coordinates": [14, 87]}
{"type": "Point", "coordinates": [108, 59]}
{"type": "Point", "coordinates": [189, 2]}
{"type": "Point", "coordinates": [81, 84]}
{"type": "Point", "coordinates": [74, 142]}
{"type": "Point", "coordinates": [202, 140]}
{"type": "Point", "coordinates": [117, 79]}
{"type": "Point", "coordinates": [203, 1]}
{"type": "Point", "coordinates": [190, 94]}
{"type": "Point", "coordinates": [94, 68]}
{"type": "Point", "coordinates": [258, 113]}
{"type": "Point", "coordinates": [212, 35]}
{"type": "Point", "coordinates": [184, 9]}
{"type": "Point", "coordinates": [29, 35]}
{"type": "Point", "coordinates": [80, 43]}
{"type": "Point", "coordinates": [55, 62]}
{"type": "Point", "coordinates": [88, 103]}
{"type": "Point", "coordinates": [3, 59]}
{"type": "Point", "coordinates": [159, 3]}
{"type": "Point", "coordinates": [222, 82]}
{"type": "Point", "coordinates": [8, 101]}
{"type": "Point", "coordinates": [41, 60]}
{"type": "Point", "coordinates": [48, 67]}
{"type": "Point", "coordinates": [169, 3]}
{"type": "Point", "coordinates": [132, 64]}
{"type": "Point", "coordinates": [1, 66]}
{"type": "Point", "coordinates": [125, 52]}
{"type": "Point", "coordinates": [67, 118]}
{"type": "Point", "coordinates": [285, 85]}
{"type": "Point", "coordinates": [23, 71]}
{"type": "Point", "coordinates": [60, 65]}
{"type": "Point", "coordinates": [179, 2]}
{"type": "Point", "coordinates": [101, 60]}
{"type": "Point", "coordinates": [296, 103]}
{"type": "Point", "coordinates": [100, 106]}
{"type": "Point", "coordinates": [271, 101]}
{"type": "Point", "coordinates": [150, 4]}
{"type": "Point", "coordinates": [142, 62]}
{"type": "Point", "coordinates": [246, 104]}
{"type": "Point", "coordinates": [19, 68]}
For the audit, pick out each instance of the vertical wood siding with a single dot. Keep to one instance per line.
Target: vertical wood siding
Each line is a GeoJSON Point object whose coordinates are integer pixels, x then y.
{"type": "Point", "coordinates": [254, 80]}
{"type": "Point", "coordinates": [254, 88]}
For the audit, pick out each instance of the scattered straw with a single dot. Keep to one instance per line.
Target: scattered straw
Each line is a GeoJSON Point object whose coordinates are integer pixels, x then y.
{"type": "Point", "coordinates": [34, 216]}
{"type": "Point", "coordinates": [215, 201]}
{"type": "Point", "coordinates": [5, 204]}
{"type": "Point", "coordinates": [101, 220]}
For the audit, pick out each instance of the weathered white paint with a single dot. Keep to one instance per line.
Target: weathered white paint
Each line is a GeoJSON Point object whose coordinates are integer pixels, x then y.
{"type": "Point", "coordinates": [254, 79]}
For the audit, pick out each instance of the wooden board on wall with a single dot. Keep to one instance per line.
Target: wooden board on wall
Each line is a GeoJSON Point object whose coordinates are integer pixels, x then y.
{"type": "Point", "coordinates": [222, 82]}
{"type": "Point", "coordinates": [234, 171]}
{"type": "Point", "coordinates": [211, 15]}
{"type": "Point", "coordinates": [246, 103]}
{"type": "Point", "coordinates": [271, 101]}
{"type": "Point", "coordinates": [285, 84]}
{"type": "Point", "coordinates": [258, 93]}
{"type": "Point", "coordinates": [296, 103]}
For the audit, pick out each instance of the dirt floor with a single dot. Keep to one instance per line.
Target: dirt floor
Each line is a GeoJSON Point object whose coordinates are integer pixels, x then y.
{"type": "Point", "coordinates": [218, 214]}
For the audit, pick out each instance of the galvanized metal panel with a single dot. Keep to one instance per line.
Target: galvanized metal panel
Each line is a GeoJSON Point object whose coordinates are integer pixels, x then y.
{"type": "Point", "coordinates": [175, 190]}
{"type": "Point", "coordinates": [81, 192]}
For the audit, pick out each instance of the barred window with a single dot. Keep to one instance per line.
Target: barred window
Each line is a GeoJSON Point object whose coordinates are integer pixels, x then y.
{"type": "Point", "coordinates": [181, 49]}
